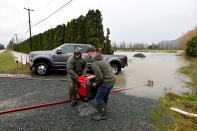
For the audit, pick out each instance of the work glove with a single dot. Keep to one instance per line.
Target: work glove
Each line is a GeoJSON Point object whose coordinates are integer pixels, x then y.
{"type": "Point", "coordinates": [94, 84]}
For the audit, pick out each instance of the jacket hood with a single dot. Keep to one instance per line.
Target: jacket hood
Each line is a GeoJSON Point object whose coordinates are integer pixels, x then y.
{"type": "Point", "coordinates": [97, 57]}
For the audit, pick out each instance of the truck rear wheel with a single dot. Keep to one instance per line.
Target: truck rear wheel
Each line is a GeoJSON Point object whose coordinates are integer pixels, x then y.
{"type": "Point", "coordinates": [42, 68]}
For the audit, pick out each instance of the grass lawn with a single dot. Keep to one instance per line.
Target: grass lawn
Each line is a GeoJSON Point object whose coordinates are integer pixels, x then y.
{"type": "Point", "coordinates": [8, 64]}
{"type": "Point", "coordinates": [167, 120]}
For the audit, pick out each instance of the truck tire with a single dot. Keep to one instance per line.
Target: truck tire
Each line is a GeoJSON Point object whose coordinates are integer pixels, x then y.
{"type": "Point", "coordinates": [115, 68]}
{"type": "Point", "coordinates": [42, 68]}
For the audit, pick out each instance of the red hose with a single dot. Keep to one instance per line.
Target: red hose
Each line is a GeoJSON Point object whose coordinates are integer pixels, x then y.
{"type": "Point", "coordinates": [118, 90]}
{"type": "Point", "coordinates": [34, 106]}
{"type": "Point", "coordinates": [53, 103]}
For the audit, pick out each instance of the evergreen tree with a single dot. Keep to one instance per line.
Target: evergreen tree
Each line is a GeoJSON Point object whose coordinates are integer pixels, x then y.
{"type": "Point", "coordinates": [71, 33]}
{"type": "Point", "coordinates": [2, 47]}
{"type": "Point", "coordinates": [11, 45]}
{"type": "Point", "coordinates": [191, 49]}
{"type": "Point", "coordinates": [94, 28]}
{"type": "Point", "coordinates": [107, 43]}
{"type": "Point", "coordinates": [81, 30]}
{"type": "Point", "coordinates": [59, 33]}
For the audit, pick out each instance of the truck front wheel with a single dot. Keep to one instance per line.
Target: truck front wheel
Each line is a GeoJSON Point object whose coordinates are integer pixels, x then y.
{"type": "Point", "coordinates": [115, 68]}
{"type": "Point", "coordinates": [42, 68]}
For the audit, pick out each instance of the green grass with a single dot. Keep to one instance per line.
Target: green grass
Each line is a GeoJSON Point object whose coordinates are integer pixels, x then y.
{"type": "Point", "coordinates": [118, 87]}
{"type": "Point", "coordinates": [8, 64]}
{"type": "Point", "coordinates": [167, 120]}
{"type": "Point", "coordinates": [186, 102]}
{"type": "Point", "coordinates": [191, 70]}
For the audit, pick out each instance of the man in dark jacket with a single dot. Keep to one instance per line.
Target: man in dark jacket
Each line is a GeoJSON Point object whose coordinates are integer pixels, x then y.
{"type": "Point", "coordinates": [105, 81]}
{"type": "Point", "coordinates": [75, 68]}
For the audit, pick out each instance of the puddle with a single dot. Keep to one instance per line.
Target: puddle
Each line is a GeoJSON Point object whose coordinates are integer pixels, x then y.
{"type": "Point", "coordinates": [85, 109]}
{"type": "Point", "coordinates": [2, 51]}
{"type": "Point", "coordinates": [15, 75]}
{"type": "Point", "coordinates": [161, 68]}
{"type": "Point", "coordinates": [9, 103]}
{"type": "Point", "coordinates": [21, 57]}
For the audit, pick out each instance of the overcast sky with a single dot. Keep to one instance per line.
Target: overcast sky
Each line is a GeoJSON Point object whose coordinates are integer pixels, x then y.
{"type": "Point", "coordinates": [129, 20]}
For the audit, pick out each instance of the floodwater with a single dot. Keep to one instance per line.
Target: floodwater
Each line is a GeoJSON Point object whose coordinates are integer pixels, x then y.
{"type": "Point", "coordinates": [21, 57]}
{"type": "Point", "coordinates": [161, 68]}
{"type": "Point", "coordinates": [2, 51]}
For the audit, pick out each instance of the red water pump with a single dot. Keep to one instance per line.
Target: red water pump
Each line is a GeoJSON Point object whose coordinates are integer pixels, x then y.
{"type": "Point", "coordinates": [85, 86]}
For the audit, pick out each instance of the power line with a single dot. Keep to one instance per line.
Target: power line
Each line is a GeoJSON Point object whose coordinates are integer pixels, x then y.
{"type": "Point", "coordinates": [47, 17]}
{"type": "Point", "coordinates": [25, 33]}
{"type": "Point", "coordinates": [53, 12]}
{"type": "Point", "coordinates": [47, 6]}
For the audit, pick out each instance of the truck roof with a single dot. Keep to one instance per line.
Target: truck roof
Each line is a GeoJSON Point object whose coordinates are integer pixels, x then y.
{"type": "Point", "coordinates": [76, 44]}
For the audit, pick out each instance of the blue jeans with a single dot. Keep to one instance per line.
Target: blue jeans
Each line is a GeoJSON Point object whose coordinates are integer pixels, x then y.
{"type": "Point", "coordinates": [103, 93]}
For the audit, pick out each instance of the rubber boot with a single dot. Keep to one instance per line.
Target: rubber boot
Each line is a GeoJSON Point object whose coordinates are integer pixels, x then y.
{"type": "Point", "coordinates": [95, 109]}
{"type": "Point", "coordinates": [85, 99]}
{"type": "Point", "coordinates": [101, 115]}
{"type": "Point", "coordinates": [73, 103]}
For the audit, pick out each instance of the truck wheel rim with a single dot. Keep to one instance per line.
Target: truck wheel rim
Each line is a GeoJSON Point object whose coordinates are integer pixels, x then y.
{"type": "Point", "coordinates": [41, 69]}
{"type": "Point", "coordinates": [114, 69]}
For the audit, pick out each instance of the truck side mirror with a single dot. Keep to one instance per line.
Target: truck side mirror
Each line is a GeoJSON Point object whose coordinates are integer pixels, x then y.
{"type": "Point", "coordinates": [59, 51]}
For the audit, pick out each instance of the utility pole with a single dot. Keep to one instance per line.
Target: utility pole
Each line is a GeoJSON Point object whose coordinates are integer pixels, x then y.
{"type": "Point", "coordinates": [29, 25]}
{"type": "Point", "coordinates": [16, 38]}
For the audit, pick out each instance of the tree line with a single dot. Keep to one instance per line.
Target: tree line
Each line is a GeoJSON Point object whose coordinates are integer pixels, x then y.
{"type": "Point", "coordinates": [188, 41]}
{"type": "Point", "coordinates": [84, 29]}
{"type": "Point", "coordinates": [2, 46]}
{"type": "Point", "coordinates": [187, 37]}
{"type": "Point", "coordinates": [142, 46]}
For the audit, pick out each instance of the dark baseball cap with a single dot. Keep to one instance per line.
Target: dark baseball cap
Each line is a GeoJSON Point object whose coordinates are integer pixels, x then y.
{"type": "Point", "coordinates": [91, 49]}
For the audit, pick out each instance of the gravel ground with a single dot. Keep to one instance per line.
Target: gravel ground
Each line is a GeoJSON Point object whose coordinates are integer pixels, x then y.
{"type": "Point", "coordinates": [125, 112]}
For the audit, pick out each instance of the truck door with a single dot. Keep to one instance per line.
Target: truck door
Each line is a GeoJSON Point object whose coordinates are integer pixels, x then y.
{"type": "Point", "coordinates": [60, 59]}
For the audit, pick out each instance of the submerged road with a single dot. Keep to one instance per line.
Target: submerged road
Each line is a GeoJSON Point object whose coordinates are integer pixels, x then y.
{"type": "Point", "coordinates": [2, 51]}
{"type": "Point", "coordinates": [125, 112]}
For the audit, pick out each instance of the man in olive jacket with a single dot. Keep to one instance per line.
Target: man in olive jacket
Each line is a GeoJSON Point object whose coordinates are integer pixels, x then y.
{"type": "Point", "coordinates": [75, 68]}
{"type": "Point", "coordinates": [105, 81]}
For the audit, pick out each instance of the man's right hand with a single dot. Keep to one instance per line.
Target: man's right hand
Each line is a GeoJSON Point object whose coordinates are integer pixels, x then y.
{"type": "Point", "coordinates": [94, 84]}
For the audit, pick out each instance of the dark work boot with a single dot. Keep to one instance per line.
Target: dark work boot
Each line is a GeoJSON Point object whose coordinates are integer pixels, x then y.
{"type": "Point", "coordinates": [103, 108]}
{"type": "Point", "coordinates": [85, 99]}
{"type": "Point", "coordinates": [96, 109]}
{"type": "Point", "coordinates": [101, 115]}
{"type": "Point", "coordinates": [73, 103]}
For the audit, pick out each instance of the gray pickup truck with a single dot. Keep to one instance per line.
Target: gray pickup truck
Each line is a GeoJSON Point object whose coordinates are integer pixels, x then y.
{"type": "Point", "coordinates": [44, 61]}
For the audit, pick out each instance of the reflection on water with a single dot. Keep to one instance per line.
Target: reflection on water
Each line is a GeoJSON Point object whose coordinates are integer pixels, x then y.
{"type": "Point", "coordinates": [162, 68]}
